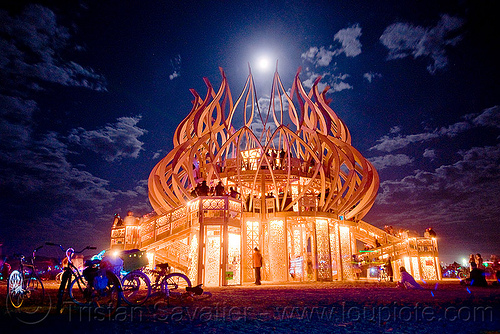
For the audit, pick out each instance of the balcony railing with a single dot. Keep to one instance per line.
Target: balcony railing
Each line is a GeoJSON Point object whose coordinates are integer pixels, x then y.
{"type": "Point", "coordinates": [208, 208]}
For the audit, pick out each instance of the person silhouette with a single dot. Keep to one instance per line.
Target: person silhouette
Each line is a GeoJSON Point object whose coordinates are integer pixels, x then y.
{"type": "Point", "coordinates": [257, 264]}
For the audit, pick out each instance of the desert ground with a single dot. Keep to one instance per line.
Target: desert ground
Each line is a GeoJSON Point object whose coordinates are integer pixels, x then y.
{"type": "Point", "coordinates": [326, 307]}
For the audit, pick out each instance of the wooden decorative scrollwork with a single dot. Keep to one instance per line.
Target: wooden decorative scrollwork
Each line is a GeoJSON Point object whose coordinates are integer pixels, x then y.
{"type": "Point", "coordinates": [300, 142]}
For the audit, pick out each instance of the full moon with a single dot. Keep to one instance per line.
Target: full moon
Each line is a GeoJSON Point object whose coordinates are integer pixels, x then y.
{"type": "Point", "coordinates": [263, 64]}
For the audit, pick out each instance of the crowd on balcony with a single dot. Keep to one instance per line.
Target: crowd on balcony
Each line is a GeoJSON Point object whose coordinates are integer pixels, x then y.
{"type": "Point", "coordinates": [429, 233]}
{"type": "Point", "coordinates": [404, 234]}
{"type": "Point", "coordinates": [277, 161]}
{"type": "Point", "coordinates": [129, 220]}
{"type": "Point", "coordinates": [202, 189]}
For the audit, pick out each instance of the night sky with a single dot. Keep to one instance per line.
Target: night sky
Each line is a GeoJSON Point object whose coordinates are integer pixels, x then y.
{"type": "Point", "coordinates": [92, 91]}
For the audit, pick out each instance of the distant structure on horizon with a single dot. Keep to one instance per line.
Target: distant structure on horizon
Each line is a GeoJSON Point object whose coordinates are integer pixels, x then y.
{"type": "Point", "coordinates": [299, 193]}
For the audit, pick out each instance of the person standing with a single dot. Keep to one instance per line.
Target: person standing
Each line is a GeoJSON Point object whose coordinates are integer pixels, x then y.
{"type": "Point", "coordinates": [472, 259]}
{"type": "Point", "coordinates": [204, 189]}
{"type": "Point", "coordinates": [479, 261]}
{"type": "Point", "coordinates": [233, 193]}
{"type": "Point", "coordinates": [130, 219]}
{"type": "Point", "coordinates": [388, 269]}
{"type": "Point", "coordinates": [282, 159]}
{"type": "Point", "coordinates": [257, 264]}
{"type": "Point", "coordinates": [219, 189]}
{"type": "Point", "coordinates": [426, 233]}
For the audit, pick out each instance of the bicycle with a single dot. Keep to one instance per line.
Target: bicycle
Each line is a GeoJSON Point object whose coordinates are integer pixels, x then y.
{"type": "Point", "coordinates": [96, 287]}
{"type": "Point", "coordinates": [173, 285]}
{"type": "Point", "coordinates": [382, 274]}
{"type": "Point", "coordinates": [136, 285]}
{"type": "Point", "coordinates": [24, 285]}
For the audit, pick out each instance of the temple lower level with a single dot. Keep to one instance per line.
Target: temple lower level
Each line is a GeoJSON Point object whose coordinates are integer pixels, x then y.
{"type": "Point", "coordinates": [212, 238]}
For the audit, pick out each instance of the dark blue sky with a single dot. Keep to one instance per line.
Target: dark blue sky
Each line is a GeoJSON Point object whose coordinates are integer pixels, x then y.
{"type": "Point", "coordinates": [91, 92]}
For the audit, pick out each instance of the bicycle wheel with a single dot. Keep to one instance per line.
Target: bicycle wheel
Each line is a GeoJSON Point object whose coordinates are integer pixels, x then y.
{"type": "Point", "coordinates": [15, 289]}
{"type": "Point", "coordinates": [174, 285]}
{"type": "Point", "coordinates": [34, 292]}
{"type": "Point", "coordinates": [79, 292]}
{"type": "Point", "coordinates": [136, 288]}
{"type": "Point", "coordinates": [106, 291]}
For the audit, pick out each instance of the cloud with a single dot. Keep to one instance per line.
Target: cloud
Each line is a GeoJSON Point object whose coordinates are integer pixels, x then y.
{"type": "Point", "coordinates": [142, 187]}
{"type": "Point", "coordinates": [488, 117]}
{"type": "Point", "coordinates": [349, 38]}
{"type": "Point", "coordinates": [319, 56]}
{"type": "Point", "coordinates": [78, 200]}
{"type": "Point", "coordinates": [157, 154]}
{"type": "Point", "coordinates": [41, 190]}
{"type": "Point", "coordinates": [174, 75]}
{"type": "Point", "coordinates": [371, 75]}
{"type": "Point", "coordinates": [395, 129]}
{"type": "Point", "coordinates": [450, 197]}
{"type": "Point", "coordinates": [43, 168]}
{"type": "Point", "coordinates": [350, 45]}
{"type": "Point", "coordinates": [323, 56]}
{"type": "Point", "coordinates": [16, 120]}
{"type": "Point", "coordinates": [114, 141]}
{"type": "Point", "coordinates": [455, 129]}
{"type": "Point", "coordinates": [429, 153]}
{"type": "Point", "coordinates": [40, 170]}
{"type": "Point", "coordinates": [30, 47]}
{"type": "Point", "coordinates": [403, 40]}
{"type": "Point", "coordinates": [476, 173]}
{"type": "Point", "coordinates": [388, 160]}
{"type": "Point", "coordinates": [336, 82]}
{"type": "Point", "coordinates": [337, 87]}
{"type": "Point", "coordinates": [389, 144]}
{"type": "Point", "coordinates": [176, 66]}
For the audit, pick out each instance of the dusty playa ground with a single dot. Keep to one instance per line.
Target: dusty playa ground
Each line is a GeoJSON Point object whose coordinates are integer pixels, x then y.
{"type": "Point", "coordinates": [330, 307]}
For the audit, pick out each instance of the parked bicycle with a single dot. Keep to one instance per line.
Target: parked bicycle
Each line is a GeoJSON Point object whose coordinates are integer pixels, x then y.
{"type": "Point", "coordinates": [172, 285]}
{"type": "Point", "coordinates": [382, 274]}
{"type": "Point", "coordinates": [136, 285]}
{"type": "Point", "coordinates": [24, 285]}
{"type": "Point", "coordinates": [97, 286]}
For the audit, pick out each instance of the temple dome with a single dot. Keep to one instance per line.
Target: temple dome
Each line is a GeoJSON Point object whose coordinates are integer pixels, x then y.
{"type": "Point", "coordinates": [299, 139]}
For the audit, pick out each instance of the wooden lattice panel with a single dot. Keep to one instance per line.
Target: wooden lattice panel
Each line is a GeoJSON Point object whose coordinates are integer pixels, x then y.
{"type": "Point", "coordinates": [193, 260]}
{"type": "Point", "coordinates": [213, 204]}
{"type": "Point", "coordinates": [118, 233]}
{"type": "Point", "coordinates": [428, 266]}
{"type": "Point", "coordinates": [252, 241]}
{"type": "Point", "coordinates": [345, 250]}
{"type": "Point", "coordinates": [416, 268]}
{"type": "Point", "coordinates": [323, 249]}
{"type": "Point", "coordinates": [277, 255]}
{"type": "Point", "coordinates": [334, 245]}
{"type": "Point", "coordinates": [162, 220]}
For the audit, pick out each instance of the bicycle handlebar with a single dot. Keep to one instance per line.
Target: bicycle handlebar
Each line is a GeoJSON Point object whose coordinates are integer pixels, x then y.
{"type": "Point", "coordinates": [22, 257]}
{"type": "Point", "coordinates": [70, 251]}
{"type": "Point", "coordinates": [53, 244]}
{"type": "Point", "coordinates": [34, 253]}
{"type": "Point", "coordinates": [62, 248]}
